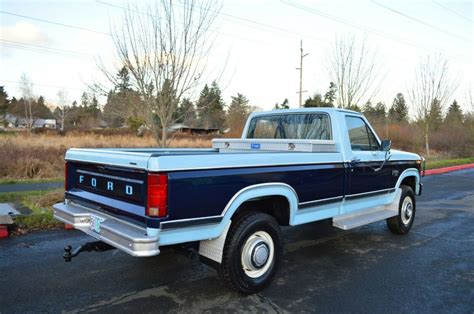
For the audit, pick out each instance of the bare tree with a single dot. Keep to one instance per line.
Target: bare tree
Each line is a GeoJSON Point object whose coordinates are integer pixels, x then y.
{"type": "Point", "coordinates": [353, 67]}
{"type": "Point", "coordinates": [470, 98]}
{"type": "Point", "coordinates": [26, 90]}
{"type": "Point", "coordinates": [62, 109]}
{"type": "Point", "coordinates": [433, 85]}
{"type": "Point", "coordinates": [164, 48]}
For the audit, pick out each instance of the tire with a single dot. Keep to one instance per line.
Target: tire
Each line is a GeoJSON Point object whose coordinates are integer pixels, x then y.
{"type": "Point", "coordinates": [401, 224]}
{"type": "Point", "coordinates": [252, 252]}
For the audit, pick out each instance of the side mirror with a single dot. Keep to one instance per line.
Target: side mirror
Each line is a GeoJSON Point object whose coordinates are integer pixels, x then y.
{"type": "Point", "coordinates": [386, 145]}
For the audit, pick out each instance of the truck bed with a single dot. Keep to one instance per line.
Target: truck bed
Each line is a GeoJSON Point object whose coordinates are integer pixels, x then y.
{"type": "Point", "coordinates": [229, 153]}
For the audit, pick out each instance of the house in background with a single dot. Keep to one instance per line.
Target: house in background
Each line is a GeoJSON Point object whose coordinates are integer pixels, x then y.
{"type": "Point", "coordinates": [22, 123]}
{"type": "Point", "coordinates": [44, 123]}
{"type": "Point", "coordinates": [182, 128]}
{"type": "Point", "coordinates": [10, 120]}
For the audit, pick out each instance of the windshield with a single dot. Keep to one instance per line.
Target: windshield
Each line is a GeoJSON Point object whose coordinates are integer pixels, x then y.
{"type": "Point", "coordinates": [291, 126]}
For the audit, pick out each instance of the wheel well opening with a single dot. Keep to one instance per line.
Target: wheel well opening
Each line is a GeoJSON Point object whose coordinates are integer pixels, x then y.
{"type": "Point", "coordinates": [276, 206]}
{"type": "Point", "coordinates": [409, 181]}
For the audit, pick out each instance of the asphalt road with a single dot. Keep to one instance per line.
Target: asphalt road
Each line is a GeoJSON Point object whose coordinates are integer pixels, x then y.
{"type": "Point", "coordinates": [35, 186]}
{"type": "Point", "coordinates": [367, 269]}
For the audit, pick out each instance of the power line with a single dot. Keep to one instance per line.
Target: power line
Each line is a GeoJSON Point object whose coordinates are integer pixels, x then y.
{"type": "Point", "coordinates": [45, 85]}
{"type": "Point", "coordinates": [360, 27]}
{"type": "Point", "coordinates": [257, 24]}
{"type": "Point", "coordinates": [452, 11]}
{"type": "Point", "coordinates": [54, 23]}
{"type": "Point", "coordinates": [419, 21]}
{"type": "Point", "coordinates": [41, 49]}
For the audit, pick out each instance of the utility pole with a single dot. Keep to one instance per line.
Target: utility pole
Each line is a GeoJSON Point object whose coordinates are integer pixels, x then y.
{"type": "Point", "coordinates": [301, 91]}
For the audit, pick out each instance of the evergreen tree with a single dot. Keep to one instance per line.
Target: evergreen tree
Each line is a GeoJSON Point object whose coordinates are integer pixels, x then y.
{"type": "Point", "coordinates": [284, 105]}
{"type": "Point", "coordinates": [375, 114]}
{"type": "Point", "coordinates": [123, 103]}
{"type": "Point", "coordinates": [435, 114]}
{"type": "Point", "coordinates": [211, 107]}
{"type": "Point", "coordinates": [315, 101]}
{"type": "Point", "coordinates": [454, 117]}
{"type": "Point", "coordinates": [330, 96]}
{"type": "Point", "coordinates": [186, 113]}
{"type": "Point", "coordinates": [368, 110]}
{"type": "Point", "coordinates": [238, 112]}
{"type": "Point", "coordinates": [4, 101]}
{"type": "Point", "coordinates": [85, 100]}
{"type": "Point", "coordinates": [40, 110]}
{"type": "Point", "coordinates": [94, 107]}
{"type": "Point", "coordinates": [354, 108]}
{"type": "Point", "coordinates": [379, 112]}
{"type": "Point", "coordinates": [398, 113]}
{"type": "Point", "coordinates": [123, 80]}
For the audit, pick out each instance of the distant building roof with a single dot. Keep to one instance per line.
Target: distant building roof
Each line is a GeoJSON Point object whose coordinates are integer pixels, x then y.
{"type": "Point", "coordinates": [10, 118]}
{"type": "Point", "coordinates": [41, 123]}
{"type": "Point", "coordinates": [178, 126]}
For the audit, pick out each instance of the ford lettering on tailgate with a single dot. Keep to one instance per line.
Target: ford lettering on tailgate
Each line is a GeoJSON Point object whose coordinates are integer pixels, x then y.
{"type": "Point", "coordinates": [105, 184]}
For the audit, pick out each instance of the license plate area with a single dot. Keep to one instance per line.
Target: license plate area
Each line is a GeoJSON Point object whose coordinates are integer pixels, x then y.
{"type": "Point", "coordinates": [95, 223]}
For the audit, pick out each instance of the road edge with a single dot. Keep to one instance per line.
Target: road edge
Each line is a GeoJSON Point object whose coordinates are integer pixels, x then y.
{"type": "Point", "coordinates": [448, 169]}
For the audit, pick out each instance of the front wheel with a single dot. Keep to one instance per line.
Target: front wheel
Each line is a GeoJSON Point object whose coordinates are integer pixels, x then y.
{"type": "Point", "coordinates": [401, 224]}
{"type": "Point", "coordinates": [251, 253]}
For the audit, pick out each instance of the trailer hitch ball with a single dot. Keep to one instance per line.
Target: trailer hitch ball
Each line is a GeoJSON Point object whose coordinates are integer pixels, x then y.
{"type": "Point", "coordinates": [97, 246]}
{"type": "Point", "coordinates": [67, 253]}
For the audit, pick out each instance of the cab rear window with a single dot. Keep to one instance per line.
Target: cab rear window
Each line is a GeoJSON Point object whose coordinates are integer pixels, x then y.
{"type": "Point", "coordinates": [291, 126]}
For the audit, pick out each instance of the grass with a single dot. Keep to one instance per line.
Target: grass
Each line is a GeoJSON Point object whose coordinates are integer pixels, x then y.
{"type": "Point", "coordinates": [19, 181]}
{"type": "Point", "coordinates": [441, 163]}
{"type": "Point", "coordinates": [41, 156]}
{"type": "Point", "coordinates": [40, 203]}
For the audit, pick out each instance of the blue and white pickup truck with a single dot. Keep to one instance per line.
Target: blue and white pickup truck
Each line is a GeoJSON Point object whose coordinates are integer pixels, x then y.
{"type": "Point", "coordinates": [290, 167]}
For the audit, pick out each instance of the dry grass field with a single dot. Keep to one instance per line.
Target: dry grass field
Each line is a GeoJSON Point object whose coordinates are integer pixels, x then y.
{"type": "Point", "coordinates": [40, 156]}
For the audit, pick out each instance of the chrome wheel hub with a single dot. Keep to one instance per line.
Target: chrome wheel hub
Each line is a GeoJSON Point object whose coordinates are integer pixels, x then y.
{"type": "Point", "coordinates": [260, 254]}
{"type": "Point", "coordinates": [257, 254]}
{"type": "Point", "coordinates": [407, 210]}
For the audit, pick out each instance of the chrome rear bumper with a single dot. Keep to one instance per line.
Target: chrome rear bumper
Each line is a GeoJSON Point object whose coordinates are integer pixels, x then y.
{"type": "Point", "coordinates": [125, 236]}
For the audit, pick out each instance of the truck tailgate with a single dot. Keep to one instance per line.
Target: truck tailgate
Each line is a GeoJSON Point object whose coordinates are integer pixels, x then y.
{"type": "Point", "coordinates": [117, 190]}
{"type": "Point", "coordinates": [115, 180]}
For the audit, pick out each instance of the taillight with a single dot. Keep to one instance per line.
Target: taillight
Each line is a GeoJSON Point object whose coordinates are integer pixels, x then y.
{"type": "Point", "coordinates": [157, 202]}
{"type": "Point", "coordinates": [65, 176]}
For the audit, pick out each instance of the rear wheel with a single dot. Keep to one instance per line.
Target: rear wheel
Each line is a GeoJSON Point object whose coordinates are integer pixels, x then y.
{"type": "Point", "coordinates": [251, 253]}
{"type": "Point", "coordinates": [401, 224]}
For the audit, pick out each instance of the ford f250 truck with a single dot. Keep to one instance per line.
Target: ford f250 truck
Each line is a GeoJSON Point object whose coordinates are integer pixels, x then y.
{"type": "Point", "coordinates": [290, 167]}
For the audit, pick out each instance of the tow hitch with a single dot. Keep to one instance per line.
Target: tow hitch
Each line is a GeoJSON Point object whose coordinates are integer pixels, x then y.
{"type": "Point", "coordinates": [97, 246]}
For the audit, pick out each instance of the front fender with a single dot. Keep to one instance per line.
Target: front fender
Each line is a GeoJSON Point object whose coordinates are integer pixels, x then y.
{"type": "Point", "coordinates": [410, 172]}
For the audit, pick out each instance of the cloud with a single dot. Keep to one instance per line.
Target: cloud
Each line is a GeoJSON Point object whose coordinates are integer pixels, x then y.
{"type": "Point", "coordinates": [24, 33]}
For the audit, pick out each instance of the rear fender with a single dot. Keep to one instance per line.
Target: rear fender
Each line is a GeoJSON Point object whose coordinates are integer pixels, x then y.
{"type": "Point", "coordinates": [213, 248]}
{"type": "Point", "coordinates": [258, 191]}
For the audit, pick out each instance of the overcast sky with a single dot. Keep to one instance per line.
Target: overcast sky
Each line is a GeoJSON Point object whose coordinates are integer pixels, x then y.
{"type": "Point", "coordinates": [258, 40]}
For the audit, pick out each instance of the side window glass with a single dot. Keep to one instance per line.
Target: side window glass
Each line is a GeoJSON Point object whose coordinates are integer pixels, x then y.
{"type": "Point", "coordinates": [358, 135]}
{"type": "Point", "coordinates": [374, 145]}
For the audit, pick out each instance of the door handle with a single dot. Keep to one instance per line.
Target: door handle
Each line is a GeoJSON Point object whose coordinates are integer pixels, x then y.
{"type": "Point", "coordinates": [355, 161]}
